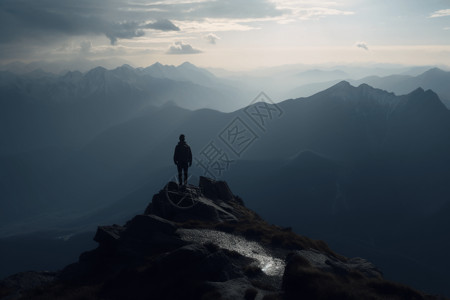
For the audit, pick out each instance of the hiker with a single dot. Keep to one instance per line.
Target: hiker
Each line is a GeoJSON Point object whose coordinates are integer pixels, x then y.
{"type": "Point", "coordinates": [183, 159]}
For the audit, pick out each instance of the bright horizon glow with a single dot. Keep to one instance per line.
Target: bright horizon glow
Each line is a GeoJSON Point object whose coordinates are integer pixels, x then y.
{"type": "Point", "coordinates": [231, 34]}
{"type": "Point", "coordinates": [245, 59]}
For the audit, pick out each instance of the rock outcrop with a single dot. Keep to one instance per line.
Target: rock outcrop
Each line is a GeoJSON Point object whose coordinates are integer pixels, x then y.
{"type": "Point", "coordinates": [201, 242]}
{"type": "Point", "coordinates": [207, 202]}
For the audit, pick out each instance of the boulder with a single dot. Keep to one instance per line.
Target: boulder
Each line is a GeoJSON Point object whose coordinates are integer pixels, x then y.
{"type": "Point", "coordinates": [148, 233]}
{"type": "Point", "coordinates": [215, 189]}
{"type": "Point", "coordinates": [189, 203]}
{"type": "Point", "coordinates": [235, 289]}
{"type": "Point", "coordinates": [186, 257]}
{"type": "Point", "coordinates": [108, 235]}
{"type": "Point", "coordinates": [327, 263]}
{"type": "Point", "coordinates": [143, 224]}
{"type": "Point", "coordinates": [206, 263]}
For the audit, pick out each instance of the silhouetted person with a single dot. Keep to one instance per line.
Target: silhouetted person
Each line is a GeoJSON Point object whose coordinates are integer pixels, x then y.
{"type": "Point", "coordinates": [183, 159]}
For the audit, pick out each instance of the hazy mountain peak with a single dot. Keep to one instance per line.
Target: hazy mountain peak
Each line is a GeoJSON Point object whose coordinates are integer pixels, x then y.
{"type": "Point", "coordinates": [342, 85]}
{"type": "Point", "coordinates": [433, 78]}
{"type": "Point", "coordinates": [39, 72]}
{"type": "Point", "coordinates": [425, 100]}
{"type": "Point", "coordinates": [156, 64]}
{"type": "Point", "coordinates": [365, 86]}
{"type": "Point", "coordinates": [187, 64]}
{"type": "Point", "coordinates": [341, 88]}
{"type": "Point", "coordinates": [188, 67]}
{"type": "Point", "coordinates": [184, 72]}
{"type": "Point", "coordinates": [424, 94]}
{"type": "Point", "coordinates": [125, 66]}
{"type": "Point", "coordinates": [434, 71]}
{"type": "Point", "coordinates": [158, 70]}
{"type": "Point", "coordinates": [72, 75]}
{"type": "Point", "coordinates": [345, 86]}
{"type": "Point", "coordinates": [360, 98]}
{"type": "Point", "coordinates": [97, 70]}
{"type": "Point", "coordinates": [418, 91]}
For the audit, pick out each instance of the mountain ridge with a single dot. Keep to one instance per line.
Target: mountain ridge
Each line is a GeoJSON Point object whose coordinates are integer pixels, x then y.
{"type": "Point", "coordinates": [435, 79]}
{"type": "Point", "coordinates": [213, 248]}
{"type": "Point", "coordinates": [378, 165]}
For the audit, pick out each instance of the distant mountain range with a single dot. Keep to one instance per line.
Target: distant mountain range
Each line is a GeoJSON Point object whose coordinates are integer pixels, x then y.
{"type": "Point", "coordinates": [356, 166]}
{"type": "Point", "coordinates": [434, 78]}
{"type": "Point", "coordinates": [184, 72]}
{"type": "Point", "coordinates": [74, 107]}
{"type": "Point", "coordinates": [61, 67]}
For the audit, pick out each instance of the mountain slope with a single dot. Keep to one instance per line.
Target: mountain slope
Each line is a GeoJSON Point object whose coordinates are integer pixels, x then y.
{"type": "Point", "coordinates": [210, 247]}
{"type": "Point", "coordinates": [46, 109]}
{"type": "Point", "coordinates": [356, 166]}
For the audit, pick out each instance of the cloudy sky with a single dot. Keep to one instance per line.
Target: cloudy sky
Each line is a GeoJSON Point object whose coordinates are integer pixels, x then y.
{"type": "Point", "coordinates": [232, 34]}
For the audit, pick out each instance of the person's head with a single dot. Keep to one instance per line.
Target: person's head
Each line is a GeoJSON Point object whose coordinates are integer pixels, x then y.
{"type": "Point", "coordinates": [181, 137]}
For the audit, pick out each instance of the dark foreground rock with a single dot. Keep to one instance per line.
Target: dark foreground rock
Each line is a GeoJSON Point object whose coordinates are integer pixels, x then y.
{"type": "Point", "coordinates": [201, 242]}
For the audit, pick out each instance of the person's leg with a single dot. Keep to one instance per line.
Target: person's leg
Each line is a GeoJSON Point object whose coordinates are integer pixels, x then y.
{"type": "Point", "coordinates": [179, 175]}
{"type": "Point", "coordinates": [185, 171]}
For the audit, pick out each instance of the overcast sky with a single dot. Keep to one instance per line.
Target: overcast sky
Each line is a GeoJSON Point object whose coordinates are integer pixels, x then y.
{"type": "Point", "coordinates": [232, 34]}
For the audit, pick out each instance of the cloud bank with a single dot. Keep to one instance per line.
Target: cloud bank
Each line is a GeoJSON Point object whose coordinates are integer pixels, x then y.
{"type": "Point", "coordinates": [181, 48]}
{"type": "Point", "coordinates": [163, 25]}
{"type": "Point", "coordinates": [440, 13]}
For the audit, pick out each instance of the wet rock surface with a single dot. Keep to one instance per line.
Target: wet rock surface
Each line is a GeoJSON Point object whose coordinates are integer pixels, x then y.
{"type": "Point", "coordinates": [266, 261]}
{"type": "Point", "coordinates": [200, 242]}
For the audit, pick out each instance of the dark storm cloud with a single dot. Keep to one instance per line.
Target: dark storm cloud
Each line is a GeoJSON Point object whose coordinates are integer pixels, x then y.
{"type": "Point", "coordinates": [125, 30]}
{"type": "Point", "coordinates": [25, 19]}
{"type": "Point", "coordinates": [29, 23]}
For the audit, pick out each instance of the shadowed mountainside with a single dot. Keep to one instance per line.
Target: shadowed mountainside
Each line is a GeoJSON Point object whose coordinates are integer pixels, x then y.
{"type": "Point", "coordinates": [356, 166]}
{"type": "Point", "coordinates": [203, 243]}
{"type": "Point", "coordinates": [434, 79]}
{"type": "Point", "coordinates": [40, 109]}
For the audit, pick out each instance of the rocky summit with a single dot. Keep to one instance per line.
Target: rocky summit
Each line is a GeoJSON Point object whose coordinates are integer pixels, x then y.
{"type": "Point", "coordinates": [201, 242]}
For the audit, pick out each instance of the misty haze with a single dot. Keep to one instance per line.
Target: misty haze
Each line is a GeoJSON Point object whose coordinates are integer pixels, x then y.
{"type": "Point", "coordinates": [319, 133]}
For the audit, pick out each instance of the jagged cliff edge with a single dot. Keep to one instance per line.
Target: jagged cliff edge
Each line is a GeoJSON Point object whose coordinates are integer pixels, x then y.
{"type": "Point", "coordinates": [201, 242]}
